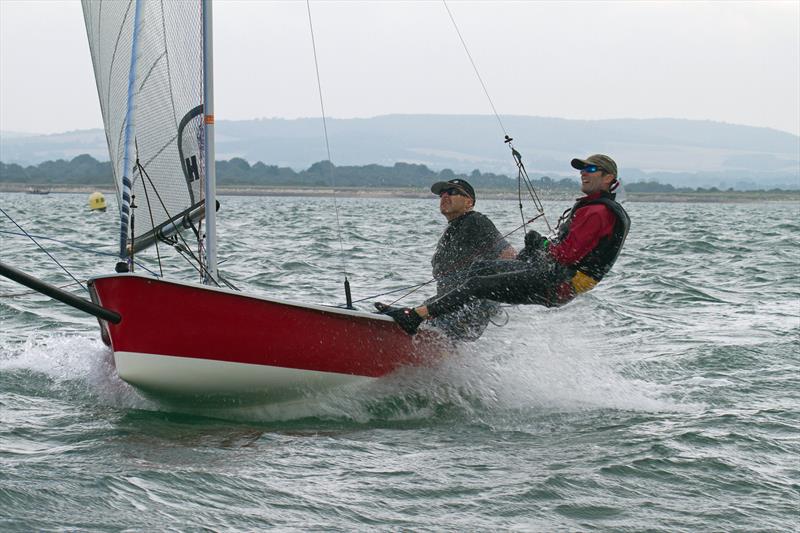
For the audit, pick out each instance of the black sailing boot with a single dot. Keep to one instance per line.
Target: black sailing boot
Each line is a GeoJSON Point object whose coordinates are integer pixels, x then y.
{"type": "Point", "coordinates": [406, 318]}
{"type": "Point", "coordinates": [385, 308]}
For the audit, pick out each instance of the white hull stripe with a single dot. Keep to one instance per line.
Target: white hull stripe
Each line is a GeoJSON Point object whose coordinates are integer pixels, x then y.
{"type": "Point", "coordinates": [172, 375]}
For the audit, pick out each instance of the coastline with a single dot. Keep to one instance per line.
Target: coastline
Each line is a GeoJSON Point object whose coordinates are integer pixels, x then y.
{"type": "Point", "coordinates": [354, 192]}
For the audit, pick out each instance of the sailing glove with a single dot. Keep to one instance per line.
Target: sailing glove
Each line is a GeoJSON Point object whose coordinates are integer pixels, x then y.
{"type": "Point", "coordinates": [535, 241]}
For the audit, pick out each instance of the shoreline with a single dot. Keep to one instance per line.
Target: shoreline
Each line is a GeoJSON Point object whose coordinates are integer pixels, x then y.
{"type": "Point", "coordinates": [353, 192]}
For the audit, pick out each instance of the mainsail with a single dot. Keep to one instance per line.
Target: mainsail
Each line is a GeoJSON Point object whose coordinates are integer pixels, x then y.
{"type": "Point", "coordinates": [148, 65]}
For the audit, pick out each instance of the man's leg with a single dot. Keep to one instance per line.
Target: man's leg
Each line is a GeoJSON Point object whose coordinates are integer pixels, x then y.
{"type": "Point", "coordinates": [467, 323]}
{"type": "Point", "coordinates": [513, 282]}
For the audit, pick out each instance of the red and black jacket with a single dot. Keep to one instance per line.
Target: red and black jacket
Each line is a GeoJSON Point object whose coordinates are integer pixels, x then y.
{"type": "Point", "coordinates": [599, 261]}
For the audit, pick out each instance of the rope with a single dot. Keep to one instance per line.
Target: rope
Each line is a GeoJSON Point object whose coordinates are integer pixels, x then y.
{"type": "Point", "coordinates": [45, 251]}
{"type": "Point", "coordinates": [327, 144]}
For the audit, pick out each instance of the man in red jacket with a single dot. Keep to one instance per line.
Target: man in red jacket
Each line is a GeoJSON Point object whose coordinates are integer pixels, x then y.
{"type": "Point", "coordinates": [589, 238]}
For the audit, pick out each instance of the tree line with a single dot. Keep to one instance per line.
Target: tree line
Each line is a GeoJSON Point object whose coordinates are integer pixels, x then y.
{"type": "Point", "coordinates": [86, 170]}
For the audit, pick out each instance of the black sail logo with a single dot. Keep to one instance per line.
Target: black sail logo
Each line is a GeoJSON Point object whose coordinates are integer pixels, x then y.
{"type": "Point", "coordinates": [192, 171]}
{"type": "Point", "coordinates": [190, 141]}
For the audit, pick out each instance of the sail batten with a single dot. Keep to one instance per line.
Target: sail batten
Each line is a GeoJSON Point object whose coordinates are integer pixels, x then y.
{"type": "Point", "coordinates": [148, 63]}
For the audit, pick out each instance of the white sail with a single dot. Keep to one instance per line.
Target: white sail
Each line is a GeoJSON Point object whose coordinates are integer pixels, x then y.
{"type": "Point", "coordinates": [148, 65]}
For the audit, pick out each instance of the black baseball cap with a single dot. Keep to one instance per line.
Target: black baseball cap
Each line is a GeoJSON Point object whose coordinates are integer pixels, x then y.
{"type": "Point", "coordinates": [462, 185]}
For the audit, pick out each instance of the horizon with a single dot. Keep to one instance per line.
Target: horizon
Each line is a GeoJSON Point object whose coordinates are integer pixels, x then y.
{"type": "Point", "coordinates": [587, 61]}
{"type": "Point", "coordinates": [643, 119]}
{"type": "Point", "coordinates": [663, 149]}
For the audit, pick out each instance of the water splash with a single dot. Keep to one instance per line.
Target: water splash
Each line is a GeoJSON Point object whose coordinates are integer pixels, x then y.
{"type": "Point", "coordinates": [516, 369]}
{"type": "Point", "coordinates": [505, 375]}
{"type": "Point", "coordinates": [73, 366]}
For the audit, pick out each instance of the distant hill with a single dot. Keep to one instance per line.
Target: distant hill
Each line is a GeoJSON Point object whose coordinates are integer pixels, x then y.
{"type": "Point", "coordinates": [671, 151]}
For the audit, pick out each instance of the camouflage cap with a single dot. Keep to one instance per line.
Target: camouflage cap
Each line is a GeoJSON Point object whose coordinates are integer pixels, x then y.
{"type": "Point", "coordinates": [602, 161]}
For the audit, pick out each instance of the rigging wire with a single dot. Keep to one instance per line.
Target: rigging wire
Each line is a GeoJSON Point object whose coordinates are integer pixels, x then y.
{"type": "Point", "coordinates": [522, 174]}
{"type": "Point", "coordinates": [45, 251]}
{"type": "Point", "coordinates": [153, 224]}
{"type": "Point", "coordinates": [452, 271]}
{"type": "Point", "coordinates": [178, 234]}
{"type": "Point", "coordinates": [522, 177]}
{"type": "Point", "coordinates": [149, 208]}
{"type": "Point", "coordinates": [77, 247]}
{"type": "Point", "coordinates": [330, 162]}
{"type": "Point", "coordinates": [33, 238]}
{"type": "Point", "coordinates": [30, 293]}
{"type": "Point", "coordinates": [475, 68]}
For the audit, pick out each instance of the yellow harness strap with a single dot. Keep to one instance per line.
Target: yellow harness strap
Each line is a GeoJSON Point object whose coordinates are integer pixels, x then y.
{"type": "Point", "coordinates": [582, 282]}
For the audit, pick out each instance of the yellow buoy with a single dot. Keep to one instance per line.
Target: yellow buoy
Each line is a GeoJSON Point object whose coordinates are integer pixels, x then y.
{"type": "Point", "coordinates": [97, 202]}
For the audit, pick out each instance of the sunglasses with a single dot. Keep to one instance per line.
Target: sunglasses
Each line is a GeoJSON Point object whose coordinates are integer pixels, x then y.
{"type": "Point", "coordinates": [452, 191]}
{"type": "Point", "coordinates": [592, 168]}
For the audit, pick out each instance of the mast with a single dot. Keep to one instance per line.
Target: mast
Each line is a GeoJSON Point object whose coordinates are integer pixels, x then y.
{"type": "Point", "coordinates": [208, 147]}
{"type": "Point", "coordinates": [125, 261]}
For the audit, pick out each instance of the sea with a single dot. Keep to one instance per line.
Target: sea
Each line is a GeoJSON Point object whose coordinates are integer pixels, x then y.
{"type": "Point", "coordinates": [667, 399]}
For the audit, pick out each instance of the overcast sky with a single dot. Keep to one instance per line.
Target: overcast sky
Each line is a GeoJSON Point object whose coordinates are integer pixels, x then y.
{"type": "Point", "coordinates": [736, 62]}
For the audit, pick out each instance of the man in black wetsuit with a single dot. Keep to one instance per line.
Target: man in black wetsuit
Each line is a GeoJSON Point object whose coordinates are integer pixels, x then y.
{"type": "Point", "coordinates": [469, 237]}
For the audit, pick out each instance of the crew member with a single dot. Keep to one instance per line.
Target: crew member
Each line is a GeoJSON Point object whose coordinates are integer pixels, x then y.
{"type": "Point", "coordinates": [589, 238]}
{"type": "Point", "coordinates": [470, 236]}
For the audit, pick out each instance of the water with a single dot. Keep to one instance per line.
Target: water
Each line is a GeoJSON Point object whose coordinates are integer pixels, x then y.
{"type": "Point", "coordinates": [666, 399]}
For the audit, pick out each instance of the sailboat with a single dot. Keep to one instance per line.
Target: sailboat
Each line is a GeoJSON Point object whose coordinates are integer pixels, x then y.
{"type": "Point", "coordinates": [153, 68]}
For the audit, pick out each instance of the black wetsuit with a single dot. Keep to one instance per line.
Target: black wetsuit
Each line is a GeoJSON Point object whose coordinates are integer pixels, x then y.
{"type": "Point", "coordinates": [538, 278]}
{"type": "Point", "coordinates": [469, 238]}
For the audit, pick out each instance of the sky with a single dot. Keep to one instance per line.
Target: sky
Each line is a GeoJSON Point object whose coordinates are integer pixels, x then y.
{"type": "Point", "coordinates": [734, 62]}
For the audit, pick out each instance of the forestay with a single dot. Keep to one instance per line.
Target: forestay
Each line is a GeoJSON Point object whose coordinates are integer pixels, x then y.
{"type": "Point", "coordinates": [148, 65]}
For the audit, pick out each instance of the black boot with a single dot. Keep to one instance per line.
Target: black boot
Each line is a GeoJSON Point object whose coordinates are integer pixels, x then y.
{"type": "Point", "coordinates": [385, 308]}
{"type": "Point", "coordinates": [406, 318]}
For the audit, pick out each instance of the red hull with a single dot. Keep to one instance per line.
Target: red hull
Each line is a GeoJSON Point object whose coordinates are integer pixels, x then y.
{"type": "Point", "coordinates": [202, 323]}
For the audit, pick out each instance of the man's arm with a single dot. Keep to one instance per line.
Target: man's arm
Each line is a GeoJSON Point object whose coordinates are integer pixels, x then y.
{"type": "Point", "coordinates": [488, 233]}
{"type": "Point", "coordinates": [508, 253]}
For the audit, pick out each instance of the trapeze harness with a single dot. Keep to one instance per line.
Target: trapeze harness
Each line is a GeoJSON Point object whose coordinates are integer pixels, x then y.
{"type": "Point", "coordinates": [587, 273]}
